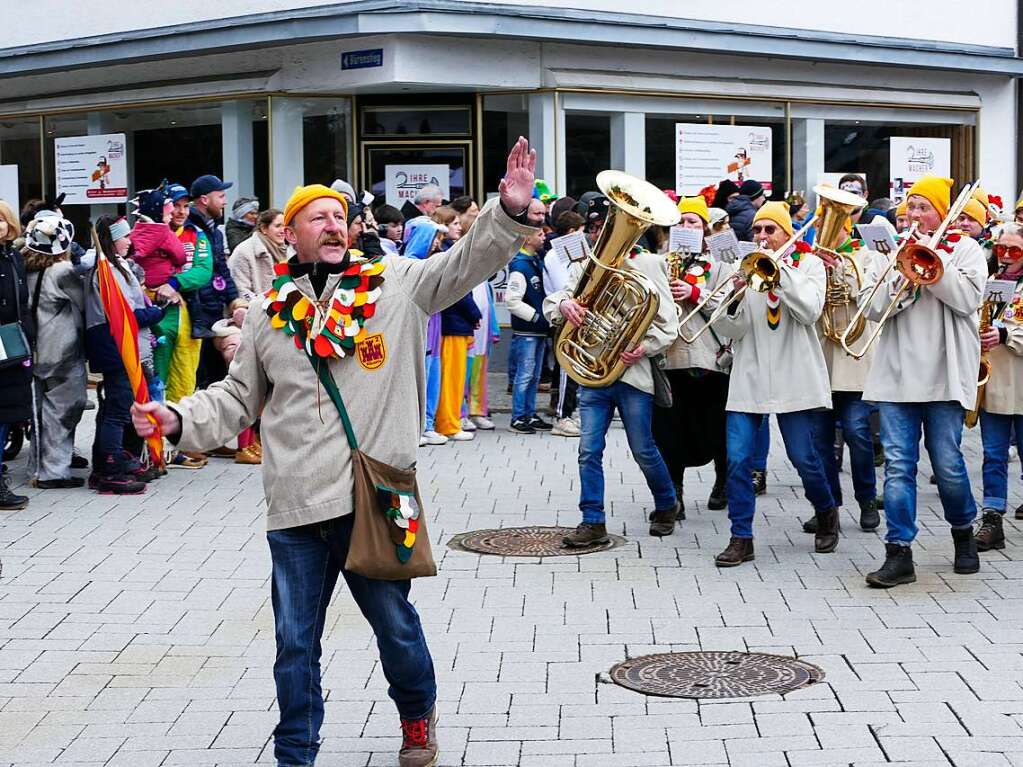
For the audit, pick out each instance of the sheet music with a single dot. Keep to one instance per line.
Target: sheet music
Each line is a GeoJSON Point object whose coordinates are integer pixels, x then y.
{"type": "Point", "coordinates": [724, 246]}
{"type": "Point", "coordinates": [878, 237]}
{"type": "Point", "coordinates": [571, 247]}
{"type": "Point", "coordinates": [683, 240]}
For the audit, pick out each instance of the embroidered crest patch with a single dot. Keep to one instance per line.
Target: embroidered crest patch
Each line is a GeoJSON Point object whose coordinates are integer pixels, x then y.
{"type": "Point", "coordinates": [371, 351]}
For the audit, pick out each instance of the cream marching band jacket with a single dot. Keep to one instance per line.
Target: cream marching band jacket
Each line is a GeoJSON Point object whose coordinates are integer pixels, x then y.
{"type": "Point", "coordinates": [706, 276]}
{"type": "Point", "coordinates": [1004, 391]}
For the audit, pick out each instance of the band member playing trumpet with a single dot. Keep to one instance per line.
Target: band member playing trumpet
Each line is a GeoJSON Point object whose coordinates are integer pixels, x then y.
{"type": "Point", "coordinates": [924, 375]}
{"type": "Point", "coordinates": [778, 368]}
{"type": "Point", "coordinates": [632, 395]}
{"type": "Point", "coordinates": [1001, 411]}
{"type": "Point", "coordinates": [692, 432]}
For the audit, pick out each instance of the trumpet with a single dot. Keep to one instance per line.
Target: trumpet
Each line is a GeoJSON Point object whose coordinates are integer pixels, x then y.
{"type": "Point", "coordinates": [919, 265]}
{"type": "Point", "coordinates": [761, 272]}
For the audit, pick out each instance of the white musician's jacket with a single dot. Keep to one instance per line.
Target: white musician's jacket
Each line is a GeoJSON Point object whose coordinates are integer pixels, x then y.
{"type": "Point", "coordinates": [707, 275]}
{"type": "Point", "coordinates": [929, 350]}
{"type": "Point", "coordinates": [662, 331]}
{"type": "Point", "coordinates": [779, 366]}
{"type": "Point", "coordinates": [1004, 391]}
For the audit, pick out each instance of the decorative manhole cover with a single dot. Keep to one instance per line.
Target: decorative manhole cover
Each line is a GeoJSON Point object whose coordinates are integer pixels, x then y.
{"type": "Point", "coordinates": [525, 542]}
{"type": "Point", "coordinates": [714, 674]}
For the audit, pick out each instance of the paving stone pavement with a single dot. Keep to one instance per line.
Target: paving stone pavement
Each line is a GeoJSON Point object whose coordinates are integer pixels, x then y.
{"type": "Point", "coordinates": [138, 631]}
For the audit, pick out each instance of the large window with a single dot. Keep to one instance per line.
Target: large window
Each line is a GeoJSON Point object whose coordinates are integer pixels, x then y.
{"type": "Point", "coordinates": [587, 150]}
{"type": "Point", "coordinates": [20, 162]}
{"type": "Point", "coordinates": [505, 118]}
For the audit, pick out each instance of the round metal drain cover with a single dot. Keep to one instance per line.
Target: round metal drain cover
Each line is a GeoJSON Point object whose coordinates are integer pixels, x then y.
{"type": "Point", "coordinates": [525, 542]}
{"type": "Point", "coordinates": [714, 674]}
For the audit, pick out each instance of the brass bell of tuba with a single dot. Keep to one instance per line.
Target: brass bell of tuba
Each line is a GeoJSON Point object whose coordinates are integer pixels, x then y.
{"type": "Point", "coordinates": [840, 297]}
{"type": "Point", "coordinates": [621, 303]}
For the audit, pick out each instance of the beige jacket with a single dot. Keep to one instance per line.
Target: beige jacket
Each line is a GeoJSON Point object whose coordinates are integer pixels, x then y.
{"type": "Point", "coordinates": [662, 331]}
{"type": "Point", "coordinates": [702, 353]}
{"type": "Point", "coordinates": [252, 268]}
{"type": "Point", "coordinates": [780, 370]}
{"type": "Point", "coordinates": [307, 469]}
{"type": "Point", "coordinates": [845, 371]}
{"type": "Point", "coordinates": [929, 350]}
{"type": "Point", "coordinates": [1004, 391]}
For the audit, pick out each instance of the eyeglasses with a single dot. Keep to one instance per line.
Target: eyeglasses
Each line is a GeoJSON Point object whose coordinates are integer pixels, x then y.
{"type": "Point", "coordinates": [1014, 252]}
{"type": "Point", "coordinates": [767, 229]}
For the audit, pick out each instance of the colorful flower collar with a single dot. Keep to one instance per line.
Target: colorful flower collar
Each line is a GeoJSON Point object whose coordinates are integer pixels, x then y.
{"type": "Point", "coordinates": [333, 329]}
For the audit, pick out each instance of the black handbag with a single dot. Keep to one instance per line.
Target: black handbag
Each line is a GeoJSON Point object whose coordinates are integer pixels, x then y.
{"type": "Point", "coordinates": [662, 386]}
{"type": "Point", "coordinates": [14, 348]}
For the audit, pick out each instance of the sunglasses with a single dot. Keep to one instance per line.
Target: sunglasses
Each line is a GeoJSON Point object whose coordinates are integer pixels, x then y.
{"type": "Point", "coordinates": [1014, 252]}
{"type": "Point", "coordinates": [767, 229]}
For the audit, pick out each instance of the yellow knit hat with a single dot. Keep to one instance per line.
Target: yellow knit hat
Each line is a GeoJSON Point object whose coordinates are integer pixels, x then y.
{"type": "Point", "coordinates": [902, 208]}
{"type": "Point", "coordinates": [936, 190]}
{"type": "Point", "coordinates": [697, 205]}
{"type": "Point", "coordinates": [1019, 203]}
{"type": "Point", "coordinates": [303, 195]}
{"type": "Point", "coordinates": [778, 212]}
{"type": "Point", "coordinates": [976, 211]}
{"type": "Point", "coordinates": [980, 196]}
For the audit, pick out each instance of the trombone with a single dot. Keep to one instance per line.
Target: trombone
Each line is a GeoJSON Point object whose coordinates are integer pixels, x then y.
{"type": "Point", "coordinates": [761, 273]}
{"type": "Point", "coordinates": [919, 265]}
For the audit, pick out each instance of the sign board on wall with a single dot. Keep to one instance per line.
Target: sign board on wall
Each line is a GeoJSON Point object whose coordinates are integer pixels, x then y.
{"type": "Point", "coordinates": [403, 182]}
{"type": "Point", "coordinates": [92, 169]}
{"type": "Point", "coordinates": [913, 157]}
{"type": "Point", "coordinates": [9, 186]}
{"type": "Point", "coordinates": [366, 59]}
{"type": "Point", "coordinates": [706, 154]}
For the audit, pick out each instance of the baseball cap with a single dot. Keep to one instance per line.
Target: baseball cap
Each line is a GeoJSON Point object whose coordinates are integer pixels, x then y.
{"type": "Point", "coordinates": [209, 183]}
{"type": "Point", "coordinates": [175, 192]}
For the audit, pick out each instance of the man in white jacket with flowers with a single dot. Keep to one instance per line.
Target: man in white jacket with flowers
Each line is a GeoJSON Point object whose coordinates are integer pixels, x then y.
{"type": "Point", "coordinates": [778, 368]}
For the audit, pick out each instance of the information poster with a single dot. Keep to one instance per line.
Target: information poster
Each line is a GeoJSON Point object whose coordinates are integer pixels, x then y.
{"type": "Point", "coordinates": [403, 182]}
{"type": "Point", "coordinates": [9, 186]}
{"type": "Point", "coordinates": [911, 158]}
{"type": "Point", "coordinates": [706, 154]}
{"type": "Point", "coordinates": [91, 169]}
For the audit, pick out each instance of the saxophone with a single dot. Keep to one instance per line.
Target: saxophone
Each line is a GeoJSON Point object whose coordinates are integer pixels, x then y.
{"type": "Point", "coordinates": [987, 313]}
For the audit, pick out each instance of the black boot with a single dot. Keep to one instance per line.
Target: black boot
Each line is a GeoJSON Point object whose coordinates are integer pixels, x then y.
{"type": "Point", "coordinates": [1019, 512]}
{"type": "Point", "coordinates": [810, 525]}
{"type": "Point", "coordinates": [9, 500]}
{"type": "Point", "coordinates": [662, 522]}
{"type": "Point", "coordinates": [966, 561]}
{"type": "Point", "coordinates": [681, 509]}
{"type": "Point", "coordinates": [869, 518]}
{"type": "Point", "coordinates": [759, 482]}
{"type": "Point", "coordinates": [826, 536]}
{"type": "Point", "coordinates": [990, 534]}
{"type": "Point", "coordinates": [897, 568]}
{"type": "Point", "coordinates": [739, 550]}
{"type": "Point", "coordinates": [718, 500]}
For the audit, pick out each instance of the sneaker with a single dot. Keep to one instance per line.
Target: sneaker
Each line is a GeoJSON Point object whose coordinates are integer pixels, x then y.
{"type": "Point", "coordinates": [145, 474]}
{"type": "Point", "coordinates": [419, 741]}
{"type": "Point", "coordinates": [120, 485]}
{"type": "Point", "coordinates": [60, 484]}
{"type": "Point", "coordinates": [422, 440]}
{"type": "Point", "coordinates": [759, 482]}
{"type": "Point", "coordinates": [182, 461]}
{"type": "Point", "coordinates": [462, 436]}
{"type": "Point", "coordinates": [201, 331]}
{"type": "Point", "coordinates": [433, 438]}
{"type": "Point", "coordinates": [540, 424]}
{"type": "Point", "coordinates": [468, 425]}
{"type": "Point", "coordinates": [248, 456]}
{"type": "Point", "coordinates": [522, 426]}
{"type": "Point", "coordinates": [483, 423]}
{"type": "Point", "coordinates": [9, 500]}
{"type": "Point", "coordinates": [565, 427]}
{"type": "Point", "coordinates": [586, 534]}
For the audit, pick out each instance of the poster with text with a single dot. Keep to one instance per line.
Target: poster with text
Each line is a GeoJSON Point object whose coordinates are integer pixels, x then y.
{"type": "Point", "coordinates": [91, 170]}
{"type": "Point", "coordinates": [911, 158]}
{"type": "Point", "coordinates": [9, 186]}
{"type": "Point", "coordinates": [706, 154]}
{"type": "Point", "coordinates": [403, 182]}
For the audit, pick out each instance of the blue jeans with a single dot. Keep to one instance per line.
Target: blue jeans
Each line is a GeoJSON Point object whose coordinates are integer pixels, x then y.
{"type": "Point", "coordinates": [853, 414]}
{"type": "Point", "coordinates": [306, 563]}
{"type": "Point", "coordinates": [942, 424]}
{"type": "Point", "coordinates": [763, 446]}
{"type": "Point", "coordinates": [4, 428]}
{"type": "Point", "coordinates": [996, 431]}
{"type": "Point", "coordinates": [526, 358]}
{"type": "Point", "coordinates": [432, 388]}
{"type": "Point", "coordinates": [798, 432]}
{"type": "Point", "coordinates": [596, 408]}
{"type": "Point", "coordinates": [113, 415]}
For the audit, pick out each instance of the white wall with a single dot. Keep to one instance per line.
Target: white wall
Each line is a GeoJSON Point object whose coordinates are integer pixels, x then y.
{"type": "Point", "coordinates": [989, 22]}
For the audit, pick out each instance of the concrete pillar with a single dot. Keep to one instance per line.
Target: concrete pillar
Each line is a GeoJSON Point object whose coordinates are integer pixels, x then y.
{"type": "Point", "coordinates": [628, 142]}
{"type": "Point", "coordinates": [98, 123]}
{"type": "Point", "coordinates": [807, 156]}
{"type": "Point", "coordinates": [236, 140]}
{"type": "Point", "coordinates": [542, 138]}
{"type": "Point", "coordinates": [287, 164]}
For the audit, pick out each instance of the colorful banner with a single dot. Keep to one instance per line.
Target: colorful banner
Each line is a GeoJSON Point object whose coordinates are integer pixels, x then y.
{"type": "Point", "coordinates": [706, 154]}
{"type": "Point", "coordinates": [91, 170]}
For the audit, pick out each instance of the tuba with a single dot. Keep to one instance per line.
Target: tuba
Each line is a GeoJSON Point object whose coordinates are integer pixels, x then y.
{"type": "Point", "coordinates": [621, 303]}
{"type": "Point", "coordinates": [839, 299]}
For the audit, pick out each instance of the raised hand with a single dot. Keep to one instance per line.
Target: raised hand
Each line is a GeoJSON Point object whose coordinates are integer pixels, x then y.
{"type": "Point", "coordinates": [516, 187]}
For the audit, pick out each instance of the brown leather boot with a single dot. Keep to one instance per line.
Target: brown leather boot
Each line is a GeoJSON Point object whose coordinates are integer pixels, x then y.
{"type": "Point", "coordinates": [826, 536]}
{"type": "Point", "coordinates": [419, 741]}
{"type": "Point", "coordinates": [586, 534]}
{"type": "Point", "coordinates": [739, 550]}
{"type": "Point", "coordinates": [990, 534]}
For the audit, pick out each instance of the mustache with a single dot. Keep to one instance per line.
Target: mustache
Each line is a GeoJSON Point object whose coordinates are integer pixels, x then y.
{"type": "Point", "coordinates": [332, 240]}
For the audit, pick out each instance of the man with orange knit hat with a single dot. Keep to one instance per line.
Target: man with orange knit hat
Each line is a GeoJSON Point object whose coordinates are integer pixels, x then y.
{"type": "Point", "coordinates": [778, 368]}
{"type": "Point", "coordinates": [924, 377]}
{"type": "Point", "coordinates": [356, 402]}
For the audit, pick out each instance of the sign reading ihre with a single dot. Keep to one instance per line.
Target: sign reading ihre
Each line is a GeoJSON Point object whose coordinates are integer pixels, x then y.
{"type": "Point", "coordinates": [403, 182]}
{"type": "Point", "coordinates": [367, 59]}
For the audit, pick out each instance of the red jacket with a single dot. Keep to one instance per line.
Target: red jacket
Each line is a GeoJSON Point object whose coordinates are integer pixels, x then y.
{"type": "Point", "coordinates": [158, 251]}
